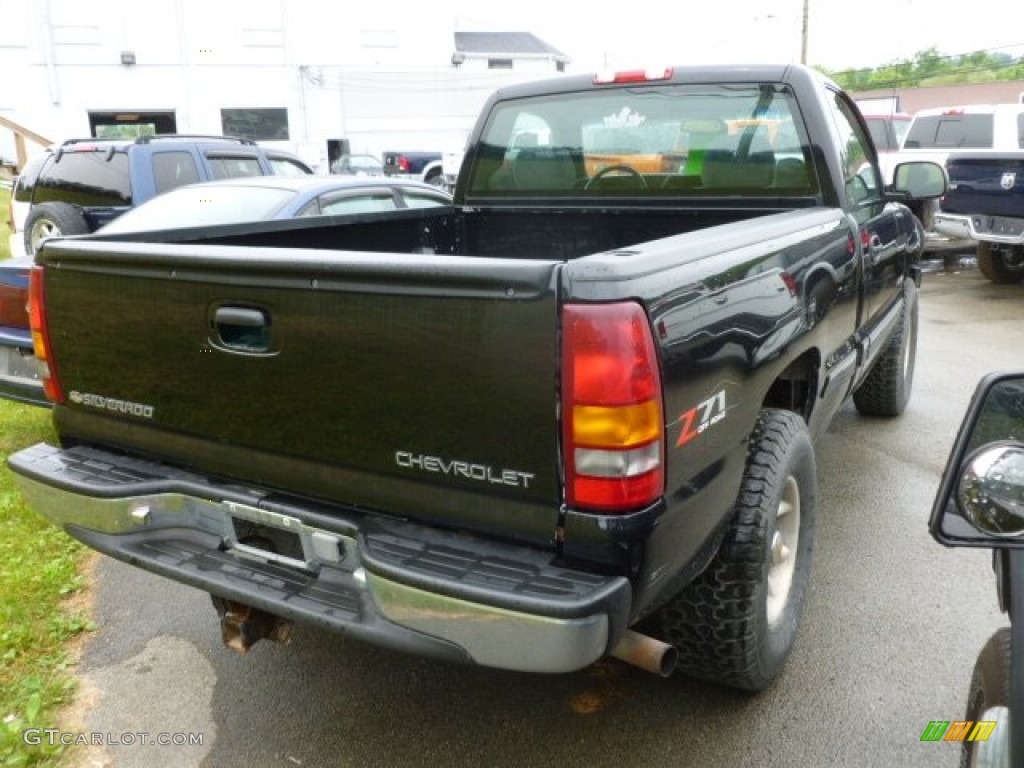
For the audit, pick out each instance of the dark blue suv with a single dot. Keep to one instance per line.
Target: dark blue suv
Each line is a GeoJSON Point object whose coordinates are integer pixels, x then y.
{"type": "Point", "coordinates": [84, 183]}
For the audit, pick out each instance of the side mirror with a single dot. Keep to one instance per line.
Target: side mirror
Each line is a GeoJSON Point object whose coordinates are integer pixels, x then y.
{"type": "Point", "coordinates": [919, 180]}
{"type": "Point", "coordinates": [980, 502]}
{"type": "Point", "coordinates": [990, 491]}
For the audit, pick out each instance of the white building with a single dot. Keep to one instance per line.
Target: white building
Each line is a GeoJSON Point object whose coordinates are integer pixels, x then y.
{"type": "Point", "coordinates": [308, 75]}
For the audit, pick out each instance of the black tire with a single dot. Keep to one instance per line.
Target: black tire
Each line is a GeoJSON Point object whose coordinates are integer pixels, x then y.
{"type": "Point", "coordinates": [728, 625]}
{"type": "Point", "coordinates": [886, 389]}
{"type": "Point", "coordinates": [48, 220]}
{"type": "Point", "coordinates": [987, 700]}
{"type": "Point", "coordinates": [999, 266]}
{"type": "Point", "coordinates": [435, 178]}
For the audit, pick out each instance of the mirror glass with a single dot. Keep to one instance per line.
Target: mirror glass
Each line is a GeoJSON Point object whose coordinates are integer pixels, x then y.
{"type": "Point", "coordinates": [922, 180]}
{"type": "Point", "coordinates": [980, 502]}
{"type": "Point", "coordinates": [991, 490]}
{"type": "Point", "coordinates": [1001, 415]}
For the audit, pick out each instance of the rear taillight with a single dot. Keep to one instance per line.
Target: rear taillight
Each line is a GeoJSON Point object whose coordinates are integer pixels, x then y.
{"type": "Point", "coordinates": [612, 422]}
{"type": "Point", "coordinates": [403, 164]}
{"type": "Point", "coordinates": [41, 336]}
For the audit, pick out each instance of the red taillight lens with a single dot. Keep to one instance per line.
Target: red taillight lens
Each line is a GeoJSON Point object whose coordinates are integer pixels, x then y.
{"type": "Point", "coordinates": [612, 413]}
{"type": "Point", "coordinates": [13, 306]}
{"type": "Point", "coordinates": [41, 337]}
{"type": "Point", "coordinates": [403, 164]}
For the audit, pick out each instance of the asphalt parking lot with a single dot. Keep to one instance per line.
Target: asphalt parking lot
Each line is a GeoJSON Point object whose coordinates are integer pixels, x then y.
{"type": "Point", "coordinates": [892, 624]}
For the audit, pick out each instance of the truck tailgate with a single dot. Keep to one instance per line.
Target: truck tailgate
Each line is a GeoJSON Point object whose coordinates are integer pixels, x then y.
{"type": "Point", "coordinates": [992, 186]}
{"type": "Point", "coordinates": [422, 386]}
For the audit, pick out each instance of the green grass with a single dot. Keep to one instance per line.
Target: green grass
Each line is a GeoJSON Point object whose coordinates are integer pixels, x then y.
{"type": "Point", "coordinates": [39, 571]}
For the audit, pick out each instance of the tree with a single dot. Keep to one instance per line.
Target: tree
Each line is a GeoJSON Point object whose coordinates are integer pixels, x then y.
{"type": "Point", "coordinates": [930, 67]}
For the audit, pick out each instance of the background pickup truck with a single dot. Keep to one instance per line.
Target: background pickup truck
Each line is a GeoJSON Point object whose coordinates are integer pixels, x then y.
{"type": "Point", "coordinates": [936, 133]}
{"type": "Point", "coordinates": [422, 166]}
{"type": "Point", "coordinates": [985, 202]}
{"type": "Point", "coordinates": [571, 415]}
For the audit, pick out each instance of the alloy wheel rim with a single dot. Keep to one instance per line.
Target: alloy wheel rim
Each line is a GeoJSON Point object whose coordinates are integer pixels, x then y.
{"type": "Point", "coordinates": [43, 230]}
{"type": "Point", "coordinates": [784, 540]}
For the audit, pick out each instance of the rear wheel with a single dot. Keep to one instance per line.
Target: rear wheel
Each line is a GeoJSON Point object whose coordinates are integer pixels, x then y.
{"type": "Point", "coordinates": [48, 220]}
{"type": "Point", "coordinates": [1001, 264]}
{"type": "Point", "coordinates": [435, 178]}
{"type": "Point", "coordinates": [736, 623]}
{"type": "Point", "coordinates": [989, 701]}
{"type": "Point", "coordinates": [886, 389]}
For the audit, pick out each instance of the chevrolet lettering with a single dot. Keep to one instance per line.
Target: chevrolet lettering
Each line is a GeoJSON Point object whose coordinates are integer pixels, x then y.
{"type": "Point", "coordinates": [480, 472]}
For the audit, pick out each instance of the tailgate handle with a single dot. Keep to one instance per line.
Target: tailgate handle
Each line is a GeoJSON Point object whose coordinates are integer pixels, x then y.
{"type": "Point", "coordinates": [243, 329]}
{"type": "Point", "coordinates": [240, 316]}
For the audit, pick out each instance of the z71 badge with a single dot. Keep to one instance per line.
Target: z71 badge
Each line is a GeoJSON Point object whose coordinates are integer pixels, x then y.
{"type": "Point", "coordinates": [701, 417]}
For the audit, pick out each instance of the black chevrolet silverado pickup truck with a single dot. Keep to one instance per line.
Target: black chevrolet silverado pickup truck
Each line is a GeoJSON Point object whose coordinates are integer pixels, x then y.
{"type": "Point", "coordinates": [571, 415]}
{"type": "Point", "coordinates": [985, 203]}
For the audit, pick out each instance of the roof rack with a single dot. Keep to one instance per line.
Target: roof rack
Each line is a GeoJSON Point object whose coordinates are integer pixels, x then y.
{"type": "Point", "coordinates": [205, 136]}
{"type": "Point", "coordinates": [156, 137]}
{"type": "Point", "coordinates": [91, 140]}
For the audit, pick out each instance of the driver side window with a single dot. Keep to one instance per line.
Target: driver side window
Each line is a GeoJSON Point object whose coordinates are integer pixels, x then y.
{"type": "Point", "coordinates": [860, 169]}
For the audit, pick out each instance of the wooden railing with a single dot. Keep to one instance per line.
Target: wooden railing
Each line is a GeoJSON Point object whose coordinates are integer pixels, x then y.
{"type": "Point", "coordinates": [21, 134]}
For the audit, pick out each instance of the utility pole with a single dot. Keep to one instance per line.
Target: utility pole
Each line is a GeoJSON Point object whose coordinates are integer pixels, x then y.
{"type": "Point", "coordinates": [803, 34]}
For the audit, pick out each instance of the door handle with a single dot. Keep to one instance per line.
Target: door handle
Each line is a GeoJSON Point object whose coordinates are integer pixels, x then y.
{"type": "Point", "coordinates": [875, 250]}
{"type": "Point", "coordinates": [914, 241]}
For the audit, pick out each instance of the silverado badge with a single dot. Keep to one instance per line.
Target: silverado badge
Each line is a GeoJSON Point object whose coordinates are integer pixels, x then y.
{"type": "Point", "coordinates": [113, 405]}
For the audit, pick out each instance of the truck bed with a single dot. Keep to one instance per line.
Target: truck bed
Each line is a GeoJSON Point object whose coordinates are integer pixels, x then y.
{"type": "Point", "coordinates": [522, 232]}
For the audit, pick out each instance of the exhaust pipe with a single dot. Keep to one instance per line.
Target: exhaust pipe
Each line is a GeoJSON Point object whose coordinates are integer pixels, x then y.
{"type": "Point", "coordinates": [242, 626]}
{"type": "Point", "coordinates": [647, 653]}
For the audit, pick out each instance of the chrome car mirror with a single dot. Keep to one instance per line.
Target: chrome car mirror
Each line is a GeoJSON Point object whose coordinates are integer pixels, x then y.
{"type": "Point", "coordinates": [980, 502]}
{"type": "Point", "coordinates": [991, 490]}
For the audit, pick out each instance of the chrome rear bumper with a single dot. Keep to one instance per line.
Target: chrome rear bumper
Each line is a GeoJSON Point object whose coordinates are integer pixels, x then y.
{"type": "Point", "coordinates": [405, 586]}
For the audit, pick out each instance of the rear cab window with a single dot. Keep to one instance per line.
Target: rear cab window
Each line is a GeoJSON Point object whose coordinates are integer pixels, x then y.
{"type": "Point", "coordinates": [658, 141]}
{"type": "Point", "coordinates": [952, 131]}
